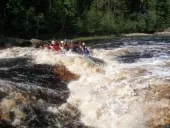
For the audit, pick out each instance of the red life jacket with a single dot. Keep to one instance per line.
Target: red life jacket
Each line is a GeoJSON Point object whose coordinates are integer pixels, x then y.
{"type": "Point", "coordinates": [56, 48]}
{"type": "Point", "coordinates": [79, 45]}
{"type": "Point", "coordinates": [47, 46]}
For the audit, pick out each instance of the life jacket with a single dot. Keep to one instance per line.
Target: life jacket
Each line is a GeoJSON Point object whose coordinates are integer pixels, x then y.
{"type": "Point", "coordinates": [56, 48]}
{"type": "Point", "coordinates": [79, 45]}
{"type": "Point", "coordinates": [47, 47]}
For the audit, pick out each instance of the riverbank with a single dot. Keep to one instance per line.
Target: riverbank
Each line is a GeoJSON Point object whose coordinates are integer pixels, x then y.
{"type": "Point", "coordinates": [9, 41]}
{"type": "Point", "coordinates": [130, 35]}
{"type": "Point", "coordinates": [164, 33]}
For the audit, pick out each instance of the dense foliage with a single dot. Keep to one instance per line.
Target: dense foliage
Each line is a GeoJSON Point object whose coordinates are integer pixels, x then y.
{"type": "Point", "coordinates": [82, 17]}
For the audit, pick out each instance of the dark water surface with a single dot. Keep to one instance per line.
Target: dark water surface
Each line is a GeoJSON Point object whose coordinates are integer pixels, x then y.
{"type": "Point", "coordinates": [163, 44]}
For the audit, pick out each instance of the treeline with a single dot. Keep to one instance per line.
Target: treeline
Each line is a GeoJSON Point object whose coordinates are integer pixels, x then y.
{"type": "Point", "coordinates": [24, 18]}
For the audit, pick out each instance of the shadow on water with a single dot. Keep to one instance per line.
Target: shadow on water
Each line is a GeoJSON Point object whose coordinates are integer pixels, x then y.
{"type": "Point", "coordinates": [119, 42]}
{"type": "Point", "coordinates": [97, 60]}
{"type": "Point", "coordinates": [133, 57]}
{"type": "Point", "coordinates": [147, 53]}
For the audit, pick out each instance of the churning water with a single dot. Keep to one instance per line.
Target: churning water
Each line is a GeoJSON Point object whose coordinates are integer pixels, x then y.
{"type": "Point", "coordinates": [123, 84]}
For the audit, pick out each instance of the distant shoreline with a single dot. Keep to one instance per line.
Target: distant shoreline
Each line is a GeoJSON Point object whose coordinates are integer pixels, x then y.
{"type": "Point", "coordinates": [146, 34]}
{"type": "Point", "coordinates": [130, 35]}
{"type": "Point", "coordinates": [136, 34]}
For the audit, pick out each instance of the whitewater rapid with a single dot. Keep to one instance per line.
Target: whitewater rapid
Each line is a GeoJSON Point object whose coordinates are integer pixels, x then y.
{"type": "Point", "coordinates": [113, 94]}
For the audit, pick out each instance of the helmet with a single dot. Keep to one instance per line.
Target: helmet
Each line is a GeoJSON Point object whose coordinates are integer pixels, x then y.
{"type": "Point", "coordinates": [62, 42]}
{"type": "Point", "coordinates": [53, 42]}
{"type": "Point", "coordinates": [83, 43]}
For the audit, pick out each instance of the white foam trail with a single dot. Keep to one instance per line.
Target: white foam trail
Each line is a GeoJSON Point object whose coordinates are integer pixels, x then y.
{"type": "Point", "coordinates": [106, 99]}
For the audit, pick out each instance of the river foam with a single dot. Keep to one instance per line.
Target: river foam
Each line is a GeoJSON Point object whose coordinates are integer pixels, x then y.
{"type": "Point", "coordinates": [115, 94]}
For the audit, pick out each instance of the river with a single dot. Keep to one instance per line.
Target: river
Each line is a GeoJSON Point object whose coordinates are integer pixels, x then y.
{"type": "Point", "coordinates": [125, 83]}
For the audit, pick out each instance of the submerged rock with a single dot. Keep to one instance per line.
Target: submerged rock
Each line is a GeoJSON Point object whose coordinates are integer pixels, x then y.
{"type": "Point", "coordinates": [64, 74]}
{"type": "Point", "coordinates": [37, 43]}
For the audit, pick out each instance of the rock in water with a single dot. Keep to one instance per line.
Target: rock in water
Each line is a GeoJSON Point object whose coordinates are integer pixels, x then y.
{"type": "Point", "coordinates": [8, 42]}
{"type": "Point", "coordinates": [65, 74]}
{"type": "Point", "coordinates": [36, 42]}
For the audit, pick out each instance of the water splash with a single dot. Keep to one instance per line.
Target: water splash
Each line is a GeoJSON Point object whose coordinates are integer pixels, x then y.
{"type": "Point", "coordinates": [111, 93]}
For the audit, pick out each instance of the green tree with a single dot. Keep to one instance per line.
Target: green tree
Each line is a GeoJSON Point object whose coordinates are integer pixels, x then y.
{"type": "Point", "coordinates": [163, 13]}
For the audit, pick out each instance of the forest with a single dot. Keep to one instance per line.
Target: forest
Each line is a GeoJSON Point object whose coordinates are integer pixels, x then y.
{"type": "Point", "coordinates": [31, 18]}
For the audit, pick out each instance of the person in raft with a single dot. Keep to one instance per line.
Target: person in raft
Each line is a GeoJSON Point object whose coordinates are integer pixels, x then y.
{"type": "Point", "coordinates": [74, 47]}
{"type": "Point", "coordinates": [84, 48]}
{"type": "Point", "coordinates": [62, 46]}
{"type": "Point", "coordinates": [54, 46]}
